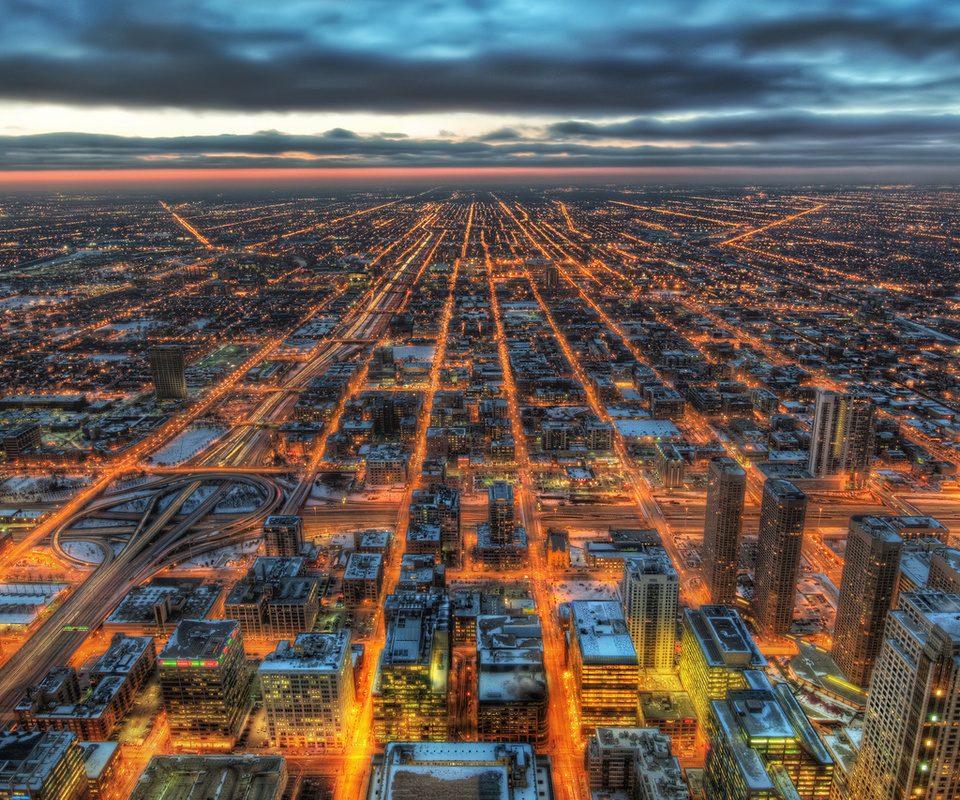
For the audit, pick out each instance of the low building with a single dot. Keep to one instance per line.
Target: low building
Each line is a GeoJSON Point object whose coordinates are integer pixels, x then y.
{"type": "Point", "coordinates": [459, 769]}
{"type": "Point", "coordinates": [420, 573]}
{"type": "Point", "coordinates": [116, 678]}
{"type": "Point", "coordinates": [761, 743]}
{"type": "Point", "coordinates": [101, 760]}
{"type": "Point", "coordinates": [363, 578]}
{"type": "Point", "coordinates": [157, 607]}
{"type": "Point", "coordinates": [636, 762]}
{"type": "Point", "coordinates": [715, 650]}
{"type": "Point", "coordinates": [673, 714]}
{"type": "Point", "coordinates": [191, 777]}
{"type": "Point", "coordinates": [275, 599]}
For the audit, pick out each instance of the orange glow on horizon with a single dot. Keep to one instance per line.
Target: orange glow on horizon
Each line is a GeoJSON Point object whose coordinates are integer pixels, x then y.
{"type": "Point", "coordinates": [12, 179]}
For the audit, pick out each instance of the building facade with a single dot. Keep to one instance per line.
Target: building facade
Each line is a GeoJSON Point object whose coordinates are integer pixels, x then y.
{"type": "Point", "coordinates": [783, 512]}
{"type": "Point", "coordinates": [726, 489]}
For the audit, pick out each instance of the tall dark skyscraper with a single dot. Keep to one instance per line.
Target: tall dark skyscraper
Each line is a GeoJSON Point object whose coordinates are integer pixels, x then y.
{"type": "Point", "coordinates": [842, 436]}
{"type": "Point", "coordinates": [782, 514]}
{"type": "Point", "coordinates": [871, 564]}
{"type": "Point", "coordinates": [168, 370]}
{"type": "Point", "coordinates": [722, 526]}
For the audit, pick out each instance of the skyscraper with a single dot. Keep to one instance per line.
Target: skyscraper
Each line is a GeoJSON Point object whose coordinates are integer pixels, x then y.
{"type": "Point", "coordinates": [726, 487]}
{"type": "Point", "coordinates": [168, 371]}
{"type": "Point", "coordinates": [870, 566]}
{"type": "Point", "coordinates": [651, 592]}
{"type": "Point", "coordinates": [782, 514]}
{"type": "Point", "coordinates": [842, 436]}
{"type": "Point", "coordinates": [909, 746]}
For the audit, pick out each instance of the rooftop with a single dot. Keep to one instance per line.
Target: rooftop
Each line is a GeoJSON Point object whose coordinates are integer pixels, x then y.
{"type": "Point", "coordinates": [192, 777]}
{"type": "Point", "coordinates": [310, 652]}
{"type": "Point", "coordinates": [205, 639]}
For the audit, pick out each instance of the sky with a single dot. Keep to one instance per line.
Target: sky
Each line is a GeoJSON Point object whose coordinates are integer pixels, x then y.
{"type": "Point", "coordinates": [862, 90]}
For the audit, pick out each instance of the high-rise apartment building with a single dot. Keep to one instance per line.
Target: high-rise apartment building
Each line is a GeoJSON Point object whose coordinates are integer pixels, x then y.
{"type": "Point", "coordinates": [726, 488]}
{"type": "Point", "coordinates": [604, 663]}
{"type": "Point", "coordinates": [782, 514]}
{"type": "Point", "coordinates": [867, 590]}
{"type": "Point", "coordinates": [169, 372]}
{"type": "Point", "coordinates": [909, 747]}
{"type": "Point", "coordinates": [842, 436]}
{"type": "Point", "coordinates": [203, 682]}
{"type": "Point", "coordinates": [308, 692]}
{"type": "Point", "coordinates": [651, 592]}
{"type": "Point", "coordinates": [283, 536]}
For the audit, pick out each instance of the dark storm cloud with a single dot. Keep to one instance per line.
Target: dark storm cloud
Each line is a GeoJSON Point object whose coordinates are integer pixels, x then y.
{"type": "Point", "coordinates": [559, 57]}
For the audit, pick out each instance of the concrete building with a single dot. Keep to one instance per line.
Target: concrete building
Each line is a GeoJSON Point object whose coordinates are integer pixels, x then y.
{"type": "Point", "coordinates": [672, 714]}
{"type": "Point", "coordinates": [420, 573]}
{"type": "Point", "coordinates": [204, 683]}
{"type": "Point", "coordinates": [440, 505]}
{"type": "Point", "coordinates": [20, 438]}
{"type": "Point", "coordinates": [156, 608]}
{"type": "Point", "coordinates": [275, 599]}
{"type": "Point", "coordinates": [635, 761]}
{"type": "Point", "coordinates": [842, 436]}
{"type": "Point", "coordinates": [441, 770]}
{"type": "Point", "coordinates": [500, 513]}
{"type": "Point", "coordinates": [726, 488]}
{"type": "Point", "coordinates": [410, 689]}
{"type": "Point", "coordinates": [363, 578]}
{"type": "Point", "coordinates": [385, 465]}
{"type": "Point", "coordinates": [604, 665]}
{"type": "Point", "coordinates": [117, 676]}
{"type": "Point", "coordinates": [168, 369]}
{"type": "Point", "coordinates": [670, 466]}
{"type": "Point", "coordinates": [308, 691]}
{"type": "Point", "coordinates": [782, 514]}
{"type": "Point", "coordinates": [191, 777]}
{"type": "Point", "coordinates": [101, 761]}
{"type": "Point", "coordinates": [868, 587]}
{"type": "Point", "coordinates": [715, 650]}
{"type": "Point", "coordinates": [283, 536]}
{"type": "Point", "coordinates": [651, 592]}
{"type": "Point", "coordinates": [909, 745]}
{"type": "Point", "coordinates": [41, 765]}
{"type": "Point", "coordinates": [512, 696]}
{"type": "Point", "coordinates": [762, 745]}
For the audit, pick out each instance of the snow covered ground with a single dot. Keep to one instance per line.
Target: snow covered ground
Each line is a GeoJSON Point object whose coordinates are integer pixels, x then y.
{"type": "Point", "coordinates": [192, 441]}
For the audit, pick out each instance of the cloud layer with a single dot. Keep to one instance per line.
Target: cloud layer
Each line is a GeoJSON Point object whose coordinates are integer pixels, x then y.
{"type": "Point", "coordinates": [682, 84]}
